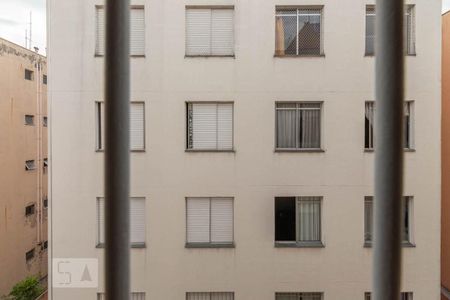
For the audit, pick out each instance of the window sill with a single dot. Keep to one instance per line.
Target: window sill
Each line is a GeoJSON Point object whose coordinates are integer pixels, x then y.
{"type": "Point", "coordinates": [210, 150]}
{"type": "Point", "coordinates": [404, 245]}
{"type": "Point", "coordinates": [133, 245]}
{"type": "Point", "coordinates": [299, 56]}
{"type": "Point", "coordinates": [301, 150]}
{"type": "Point", "coordinates": [405, 150]}
{"type": "Point", "coordinates": [299, 245]}
{"type": "Point", "coordinates": [132, 56]}
{"type": "Point", "coordinates": [209, 245]}
{"type": "Point", "coordinates": [133, 151]}
{"type": "Point", "coordinates": [210, 56]}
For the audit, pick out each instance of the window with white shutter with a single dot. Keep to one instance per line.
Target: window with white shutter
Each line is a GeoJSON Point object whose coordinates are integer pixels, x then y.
{"type": "Point", "coordinates": [209, 31]}
{"type": "Point", "coordinates": [134, 296]}
{"type": "Point", "coordinates": [137, 31]}
{"type": "Point", "coordinates": [137, 221]}
{"type": "Point", "coordinates": [210, 126]}
{"type": "Point", "coordinates": [407, 220]}
{"type": "Point", "coordinates": [137, 126]}
{"type": "Point", "coordinates": [299, 296]}
{"type": "Point", "coordinates": [209, 222]}
{"type": "Point", "coordinates": [403, 296]}
{"type": "Point", "coordinates": [210, 296]}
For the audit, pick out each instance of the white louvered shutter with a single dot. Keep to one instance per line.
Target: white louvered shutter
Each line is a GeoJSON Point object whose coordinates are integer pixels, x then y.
{"type": "Point", "coordinates": [222, 32]}
{"type": "Point", "coordinates": [100, 220]}
{"type": "Point", "coordinates": [198, 296]}
{"type": "Point", "coordinates": [225, 126]}
{"type": "Point", "coordinates": [222, 296]}
{"type": "Point", "coordinates": [204, 126]}
{"type": "Point", "coordinates": [221, 220]}
{"type": "Point", "coordinates": [137, 220]}
{"type": "Point", "coordinates": [198, 220]}
{"type": "Point", "coordinates": [100, 31]}
{"type": "Point", "coordinates": [198, 31]}
{"type": "Point", "coordinates": [137, 123]}
{"type": "Point", "coordinates": [137, 31]}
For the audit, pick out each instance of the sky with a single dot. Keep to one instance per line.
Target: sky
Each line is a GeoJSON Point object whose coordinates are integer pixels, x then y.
{"type": "Point", "coordinates": [15, 19]}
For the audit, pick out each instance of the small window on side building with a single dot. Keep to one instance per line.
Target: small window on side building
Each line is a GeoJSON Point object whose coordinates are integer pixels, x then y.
{"type": "Point", "coordinates": [28, 74]}
{"type": "Point", "coordinates": [44, 121]}
{"type": "Point", "coordinates": [30, 165]}
{"type": "Point", "coordinates": [44, 79]}
{"type": "Point", "coordinates": [29, 120]}
{"type": "Point", "coordinates": [29, 210]}
{"type": "Point", "coordinates": [29, 255]}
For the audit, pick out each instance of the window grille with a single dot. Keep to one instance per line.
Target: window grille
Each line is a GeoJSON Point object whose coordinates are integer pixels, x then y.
{"type": "Point", "coordinates": [210, 126]}
{"type": "Point", "coordinates": [298, 219]}
{"type": "Point", "coordinates": [407, 215]}
{"type": "Point", "coordinates": [409, 30]}
{"type": "Point", "coordinates": [209, 31]}
{"type": "Point", "coordinates": [209, 221]}
{"type": "Point", "coordinates": [298, 125]}
{"type": "Point", "coordinates": [298, 31]}
{"type": "Point", "coordinates": [299, 296]}
{"type": "Point", "coordinates": [210, 296]}
{"type": "Point", "coordinates": [30, 165]}
{"type": "Point", "coordinates": [29, 120]}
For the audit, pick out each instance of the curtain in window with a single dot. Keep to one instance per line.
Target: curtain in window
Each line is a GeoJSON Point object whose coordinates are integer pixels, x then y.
{"type": "Point", "coordinates": [286, 32]}
{"type": "Point", "coordinates": [286, 125]}
{"type": "Point", "coordinates": [308, 210]}
{"type": "Point", "coordinates": [279, 36]}
{"type": "Point", "coordinates": [309, 126]}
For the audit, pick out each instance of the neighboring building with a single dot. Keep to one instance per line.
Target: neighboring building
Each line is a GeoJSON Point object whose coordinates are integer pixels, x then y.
{"type": "Point", "coordinates": [23, 165]}
{"type": "Point", "coordinates": [445, 216]}
{"type": "Point", "coordinates": [252, 147]}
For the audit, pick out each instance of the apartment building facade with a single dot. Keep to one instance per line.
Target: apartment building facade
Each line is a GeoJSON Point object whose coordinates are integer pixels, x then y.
{"type": "Point", "coordinates": [23, 161]}
{"type": "Point", "coordinates": [445, 216]}
{"type": "Point", "coordinates": [252, 137]}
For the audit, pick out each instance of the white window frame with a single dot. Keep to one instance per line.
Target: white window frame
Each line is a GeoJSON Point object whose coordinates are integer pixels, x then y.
{"type": "Point", "coordinates": [297, 109]}
{"type": "Point", "coordinates": [190, 127]}
{"type": "Point", "coordinates": [409, 12]}
{"type": "Point", "coordinates": [210, 244]}
{"type": "Point", "coordinates": [211, 8]}
{"type": "Point", "coordinates": [406, 243]}
{"type": "Point", "coordinates": [99, 123]}
{"type": "Point", "coordinates": [98, 50]}
{"type": "Point", "coordinates": [99, 242]}
{"type": "Point", "coordinates": [300, 295]}
{"type": "Point", "coordinates": [210, 295]}
{"type": "Point", "coordinates": [298, 14]}
{"type": "Point", "coordinates": [409, 105]}
{"type": "Point", "coordinates": [303, 243]}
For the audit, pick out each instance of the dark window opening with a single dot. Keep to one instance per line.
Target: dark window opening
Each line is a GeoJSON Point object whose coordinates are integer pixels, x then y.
{"type": "Point", "coordinates": [44, 79]}
{"type": "Point", "coordinates": [29, 120]}
{"type": "Point", "coordinates": [29, 255]}
{"type": "Point", "coordinates": [28, 74]}
{"type": "Point", "coordinates": [285, 219]}
{"type": "Point", "coordinates": [29, 210]}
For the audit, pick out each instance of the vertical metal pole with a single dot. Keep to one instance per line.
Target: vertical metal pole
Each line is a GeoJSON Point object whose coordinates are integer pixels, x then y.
{"type": "Point", "coordinates": [117, 145]}
{"type": "Point", "coordinates": [389, 149]}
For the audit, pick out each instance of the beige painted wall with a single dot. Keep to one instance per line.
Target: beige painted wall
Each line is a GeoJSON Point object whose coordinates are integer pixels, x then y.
{"type": "Point", "coordinates": [165, 174]}
{"type": "Point", "coordinates": [19, 188]}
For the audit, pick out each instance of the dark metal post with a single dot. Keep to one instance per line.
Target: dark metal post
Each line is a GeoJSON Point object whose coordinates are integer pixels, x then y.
{"type": "Point", "coordinates": [117, 145]}
{"type": "Point", "coordinates": [389, 149]}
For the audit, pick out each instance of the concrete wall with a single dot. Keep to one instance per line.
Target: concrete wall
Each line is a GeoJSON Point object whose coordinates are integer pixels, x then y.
{"type": "Point", "coordinates": [19, 142]}
{"type": "Point", "coordinates": [445, 151]}
{"type": "Point", "coordinates": [165, 174]}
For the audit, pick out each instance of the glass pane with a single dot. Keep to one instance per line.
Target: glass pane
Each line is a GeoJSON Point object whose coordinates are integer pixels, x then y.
{"type": "Point", "coordinates": [286, 131]}
{"type": "Point", "coordinates": [309, 134]}
{"type": "Point", "coordinates": [370, 31]}
{"type": "Point", "coordinates": [286, 35]}
{"type": "Point", "coordinates": [309, 32]}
